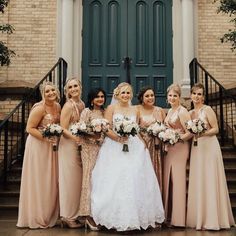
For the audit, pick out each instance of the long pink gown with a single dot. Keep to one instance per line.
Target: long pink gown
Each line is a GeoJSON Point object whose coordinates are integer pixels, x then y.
{"type": "Point", "coordinates": [90, 148]}
{"type": "Point", "coordinates": [175, 175]}
{"type": "Point", "coordinates": [70, 171]}
{"type": "Point", "coordinates": [208, 198]}
{"type": "Point", "coordinates": [153, 144]}
{"type": "Point", "coordinates": [38, 205]}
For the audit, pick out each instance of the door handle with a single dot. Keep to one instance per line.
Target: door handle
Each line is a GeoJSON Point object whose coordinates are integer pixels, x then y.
{"type": "Point", "coordinates": [127, 61]}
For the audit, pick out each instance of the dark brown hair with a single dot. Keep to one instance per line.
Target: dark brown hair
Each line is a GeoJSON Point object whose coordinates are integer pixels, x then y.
{"type": "Point", "coordinates": [142, 92]}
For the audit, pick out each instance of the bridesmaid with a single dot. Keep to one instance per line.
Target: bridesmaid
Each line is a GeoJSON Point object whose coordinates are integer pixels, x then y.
{"type": "Point", "coordinates": [208, 198]}
{"type": "Point", "coordinates": [91, 146]}
{"type": "Point", "coordinates": [70, 168]}
{"type": "Point", "coordinates": [175, 161]}
{"type": "Point", "coordinates": [38, 205]}
{"type": "Point", "coordinates": [149, 113]}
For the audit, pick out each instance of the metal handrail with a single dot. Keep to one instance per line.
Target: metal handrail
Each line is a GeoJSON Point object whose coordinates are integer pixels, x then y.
{"type": "Point", "coordinates": [223, 103]}
{"type": "Point", "coordinates": [12, 128]}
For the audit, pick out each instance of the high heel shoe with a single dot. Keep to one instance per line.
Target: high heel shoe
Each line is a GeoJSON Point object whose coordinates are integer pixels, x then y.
{"type": "Point", "coordinates": [91, 227]}
{"type": "Point", "coordinates": [70, 224]}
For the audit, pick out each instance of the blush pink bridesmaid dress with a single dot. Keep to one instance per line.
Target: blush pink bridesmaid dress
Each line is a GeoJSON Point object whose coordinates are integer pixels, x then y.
{"type": "Point", "coordinates": [70, 171]}
{"type": "Point", "coordinates": [208, 198]}
{"type": "Point", "coordinates": [38, 205]}
{"type": "Point", "coordinates": [174, 183]}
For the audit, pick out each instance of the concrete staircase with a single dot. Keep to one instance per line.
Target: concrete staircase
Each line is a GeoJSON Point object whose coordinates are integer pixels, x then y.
{"type": "Point", "coordinates": [229, 157]}
{"type": "Point", "coordinates": [9, 196]}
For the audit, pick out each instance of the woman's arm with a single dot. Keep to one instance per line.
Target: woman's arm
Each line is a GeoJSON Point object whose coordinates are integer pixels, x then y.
{"type": "Point", "coordinates": [211, 116]}
{"type": "Point", "coordinates": [66, 114]}
{"type": "Point", "coordinates": [36, 115]}
{"type": "Point", "coordinates": [184, 116]}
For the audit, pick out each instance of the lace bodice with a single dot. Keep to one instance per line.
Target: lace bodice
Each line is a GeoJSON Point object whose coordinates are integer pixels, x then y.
{"type": "Point", "coordinates": [118, 116]}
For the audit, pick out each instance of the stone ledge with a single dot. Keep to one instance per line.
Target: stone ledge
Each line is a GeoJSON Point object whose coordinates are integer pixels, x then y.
{"type": "Point", "coordinates": [15, 89]}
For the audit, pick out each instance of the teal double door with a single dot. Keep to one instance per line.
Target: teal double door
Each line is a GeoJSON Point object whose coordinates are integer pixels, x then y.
{"type": "Point", "coordinates": [127, 40]}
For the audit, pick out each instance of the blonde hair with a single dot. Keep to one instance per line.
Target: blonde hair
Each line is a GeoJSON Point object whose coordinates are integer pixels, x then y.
{"type": "Point", "coordinates": [176, 88]}
{"type": "Point", "coordinates": [43, 86]}
{"type": "Point", "coordinates": [121, 87]}
{"type": "Point", "coordinates": [67, 85]}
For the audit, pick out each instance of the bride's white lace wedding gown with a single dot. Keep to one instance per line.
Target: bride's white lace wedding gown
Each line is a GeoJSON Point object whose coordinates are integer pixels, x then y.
{"type": "Point", "coordinates": [125, 191]}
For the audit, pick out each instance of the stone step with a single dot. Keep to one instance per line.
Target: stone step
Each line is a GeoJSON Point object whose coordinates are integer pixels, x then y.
{"type": "Point", "coordinates": [12, 185]}
{"type": "Point", "coordinates": [8, 211]}
{"type": "Point", "coordinates": [16, 171]}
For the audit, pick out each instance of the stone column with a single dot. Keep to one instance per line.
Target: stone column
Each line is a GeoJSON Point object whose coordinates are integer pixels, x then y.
{"type": "Point", "coordinates": [188, 42]}
{"type": "Point", "coordinates": [67, 33]}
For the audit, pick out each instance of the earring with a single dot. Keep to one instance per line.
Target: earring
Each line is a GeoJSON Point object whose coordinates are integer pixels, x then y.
{"type": "Point", "coordinates": [92, 105]}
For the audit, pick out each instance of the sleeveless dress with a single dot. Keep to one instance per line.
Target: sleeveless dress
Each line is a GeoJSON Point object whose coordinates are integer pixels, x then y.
{"type": "Point", "coordinates": [38, 205]}
{"type": "Point", "coordinates": [153, 144]}
{"type": "Point", "coordinates": [70, 170]}
{"type": "Point", "coordinates": [90, 148]}
{"type": "Point", "coordinates": [125, 192]}
{"type": "Point", "coordinates": [174, 184]}
{"type": "Point", "coordinates": [208, 198]}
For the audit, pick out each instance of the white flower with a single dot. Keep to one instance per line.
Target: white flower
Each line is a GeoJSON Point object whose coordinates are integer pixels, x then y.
{"type": "Point", "coordinates": [125, 127]}
{"type": "Point", "coordinates": [196, 126]}
{"type": "Point", "coordinates": [82, 126]}
{"type": "Point", "coordinates": [170, 136]}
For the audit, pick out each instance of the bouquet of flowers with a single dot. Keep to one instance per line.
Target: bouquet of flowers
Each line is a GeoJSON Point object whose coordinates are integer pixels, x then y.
{"type": "Point", "coordinates": [52, 130]}
{"type": "Point", "coordinates": [126, 127]}
{"type": "Point", "coordinates": [155, 128]}
{"type": "Point", "coordinates": [169, 136]}
{"type": "Point", "coordinates": [196, 127]}
{"type": "Point", "coordinates": [99, 125]}
{"type": "Point", "coordinates": [78, 129]}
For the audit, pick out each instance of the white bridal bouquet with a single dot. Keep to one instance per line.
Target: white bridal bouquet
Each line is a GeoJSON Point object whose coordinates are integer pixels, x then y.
{"type": "Point", "coordinates": [155, 128]}
{"type": "Point", "coordinates": [196, 127]}
{"type": "Point", "coordinates": [169, 136]}
{"type": "Point", "coordinates": [52, 130]}
{"type": "Point", "coordinates": [125, 127]}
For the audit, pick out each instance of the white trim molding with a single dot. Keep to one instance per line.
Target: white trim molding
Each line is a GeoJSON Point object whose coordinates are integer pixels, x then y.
{"type": "Point", "coordinates": [183, 42]}
{"type": "Point", "coordinates": [69, 38]}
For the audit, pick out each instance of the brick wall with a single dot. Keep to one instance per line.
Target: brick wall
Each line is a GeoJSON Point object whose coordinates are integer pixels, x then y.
{"type": "Point", "coordinates": [7, 106]}
{"type": "Point", "coordinates": [34, 39]}
{"type": "Point", "coordinates": [215, 56]}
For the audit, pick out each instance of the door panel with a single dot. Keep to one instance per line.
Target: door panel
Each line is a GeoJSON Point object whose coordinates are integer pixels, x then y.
{"type": "Point", "coordinates": [140, 30]}
{"type": "Point", "coordinates": [150, 36]}
{"type": "Point", "coordinates": [103, 45]}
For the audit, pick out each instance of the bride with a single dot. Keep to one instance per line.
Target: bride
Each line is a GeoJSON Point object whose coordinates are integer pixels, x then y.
{"type": "Point", "coordinates": [125, 192]}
